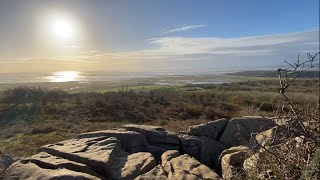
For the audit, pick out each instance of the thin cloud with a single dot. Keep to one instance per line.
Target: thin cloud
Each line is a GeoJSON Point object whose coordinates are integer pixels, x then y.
{"type": "Point", "coordinates": [185, 52]}
{"type": "Point", "coordinates": [245, 45]}
{"type": "Point", "coordinates": [185, 28]}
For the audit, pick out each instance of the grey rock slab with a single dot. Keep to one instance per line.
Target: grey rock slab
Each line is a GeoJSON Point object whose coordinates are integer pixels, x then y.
{"type": "Point", "coordinates": [212, 129]}
{"type": "Point", "coordinates": [156, 173]}
{"type": "Point", "coordinates": [131, 166]}
{"type": "Point", "coordinates": [238, 130]}
{"type": "Point", "coordinates": [31, 171]}
{"type": "Point", "coordinates": [128, 139]}
{"type": "Point", "coordinates": [95, 154]}
{"type": "Point", "coordinates": [186, 167]}
{"type": "Point", "coordinates": [154, 134]}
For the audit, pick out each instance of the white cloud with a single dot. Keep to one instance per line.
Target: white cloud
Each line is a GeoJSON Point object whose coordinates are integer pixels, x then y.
{"type": "Point", "coordinates": [185, 28]}
{"type": "Point", "coordinates": [233, 46]}
{"type": "Point", "coordinates": [195, 54]}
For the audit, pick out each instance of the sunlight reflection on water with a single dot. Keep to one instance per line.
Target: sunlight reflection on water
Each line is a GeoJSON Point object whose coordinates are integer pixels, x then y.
{"type": "Point", "coordinates": [64, 76]}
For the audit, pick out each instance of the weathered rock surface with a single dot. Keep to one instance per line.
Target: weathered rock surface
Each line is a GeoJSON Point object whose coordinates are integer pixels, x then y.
{"type": "Point", "coordinates": [90, 151]}
{"type": "Point", "coordinates": [31, 171]}
{"type": "Point", "coordinates": [212, 129]}
{"type": "Point", "coordinates": [132, 152]}
{"type": "Point", "coordinates": [238, 130]}
{"type": "Point", "coordinates": [156, 173]}
{"type": "Point", "coordinates": [156, 136]}
{"type": "Point", "coordinates": [210, 152]}
{"type": "Point", "coordinates": [131, 166]}
{"type": "Point", "coordinates": [128, 139]}
{"type": "Point", "coordinates": [167, 156]}
{"type": "Point", "coordinates": [232, 160]}
{"type": "Point", "coordinates": [186, 167]}
{"type": "Point", "coordinates": [272, 136]}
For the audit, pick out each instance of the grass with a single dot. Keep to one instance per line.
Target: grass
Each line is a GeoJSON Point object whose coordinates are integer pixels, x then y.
{"type": "Point", "coordinates": [28, 123]}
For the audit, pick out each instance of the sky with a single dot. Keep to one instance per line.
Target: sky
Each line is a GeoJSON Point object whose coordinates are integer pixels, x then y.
{"type": "Point", "coordinates": [154, 36]}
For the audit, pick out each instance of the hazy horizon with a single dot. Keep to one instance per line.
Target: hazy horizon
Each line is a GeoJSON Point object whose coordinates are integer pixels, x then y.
{"type": "Point", "coordinates": [163, 36]}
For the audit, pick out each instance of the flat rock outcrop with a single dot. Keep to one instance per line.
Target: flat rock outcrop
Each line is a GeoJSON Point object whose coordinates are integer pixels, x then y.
{"type": "Point", "coordinates": [144, 152]}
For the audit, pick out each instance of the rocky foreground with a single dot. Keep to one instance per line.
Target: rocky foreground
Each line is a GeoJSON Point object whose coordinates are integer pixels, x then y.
{"type": "Point", "coordinates": [212, 150]}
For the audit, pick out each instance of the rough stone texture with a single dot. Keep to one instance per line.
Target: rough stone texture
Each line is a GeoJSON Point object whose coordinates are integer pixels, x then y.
{"type": "Point", "coordinates": [155, 135]}
{"type": "Point", "coordinates": [96, 154]}
{"type": "Point", "coordinates": [154, 150]}
{"type": "Point", "coordinates": [31, 171]}
{"type": "Point", "coordinates": [186, 167]}
{"type": "Point", "coordinates": [271, 136]}
{"type": "Point", "coordinates": [190, 145]}
{"type": "Point", "coordinates": [132, 152]}
{"type": "Point", "coordinates": [128, 139]}
{"type": "Point", "coordinates": [156, 173]}
{"type": "Point", "coordinates": [48, 161]}
{"type": "Point", "coordinates": [232, 160]}
{"type": "Point", "coordinates": [131, 166]}
{"type": "Point", "coordinates": [238, 130]}
{"type": "Point", "coordinates": [212, 129]}
{"type": "Point", "coordinates": [168, 155]}
{"type": "Point", "coordinates": [210, 152]}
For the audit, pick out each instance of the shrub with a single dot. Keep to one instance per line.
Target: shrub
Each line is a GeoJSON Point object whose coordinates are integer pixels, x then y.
{"type": "Point", "coordinates": [42, 130]}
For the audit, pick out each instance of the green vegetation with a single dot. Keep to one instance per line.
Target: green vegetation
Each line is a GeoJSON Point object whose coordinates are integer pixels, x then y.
{"type": "Point", "coordinates": [305, 74]}
{"type": "Point", "coordinates": [35, 116]}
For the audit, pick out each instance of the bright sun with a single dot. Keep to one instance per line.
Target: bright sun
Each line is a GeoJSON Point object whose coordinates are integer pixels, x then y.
{"type": "Point", "coordinates": [62, 29]}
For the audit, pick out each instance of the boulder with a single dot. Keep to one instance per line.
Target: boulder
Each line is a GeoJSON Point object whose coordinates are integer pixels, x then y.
{"type": "Point", "coordinates": [271, 136]}
{"type": "Point", "coordinates": [238, 130]}
{"type": "Point", "coordinates": [186, 167]}
{"type": "Point", "coordinates": [190, 145]}
{"type": "Point", "coordinates": [29, 171]}
{"type": "Point", "coordinates": [210, 152]}
{"type": "Point", "coordinates": [154, 134]}
{"type": "Point", "coordinates": [96, 153]}
{"type": "Point", "coordinates": [212, 129]}
{"type": "Point", "coordinates": [48, 161]}
{"type": "Point", "coordinates": [232, 160]}
{"type": "Point", "coordinates": [131, 166]}
{"type": "Point", "coordinates": [168, 155]}
{"type": "Point", "coordinates": [156, 173]}
{"type": "Point", "coordinates": [128, 139]}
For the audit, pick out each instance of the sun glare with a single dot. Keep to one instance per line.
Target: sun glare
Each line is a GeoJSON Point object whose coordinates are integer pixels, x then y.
{"type": "Point", "coordinates": [64, 76]}
{"type": "Point", "coordinates": [62, 28]}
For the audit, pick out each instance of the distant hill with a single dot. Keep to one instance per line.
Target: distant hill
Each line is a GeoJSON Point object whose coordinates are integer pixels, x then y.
{"type": "Point", "coordinates": [306, 74]}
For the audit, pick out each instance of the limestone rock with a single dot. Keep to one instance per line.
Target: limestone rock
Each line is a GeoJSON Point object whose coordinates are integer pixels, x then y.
{"type": "Point", "coordinates": [154, 134]}
{"type": "Point", "coordinates": [232, 161]}
{"type": "Point", "coordinates": [48, 161]}
{"type": "Point", "coordinates": [128, 139]}
{"type": "Point", "coordinates": [90, 151]}
{"type": "Point", "coordinates": [30, 171]}
{"type": "Point", "coordinates": [186, 167]}
{"type": "Point", "coordinates": [168, 155]}
{"type": "Point", "coordinates": [190, 145]}
{"type": "Point", "coordinates": [238, 130]}
{"type": "Point", "coordinates": [131, 166]}
{"type": "Point", "coordinates": [210, 152]}
{"type": "Point", "coordinates": [271, 136]}
{"type": "Point", "coordinates": [212, 129]}
{"type": "Point", "coordinates": [156, 173]}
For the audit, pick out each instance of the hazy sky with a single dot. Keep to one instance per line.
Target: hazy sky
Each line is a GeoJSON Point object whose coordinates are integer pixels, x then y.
{"type": "Point", "coordinates": [149, 35]}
